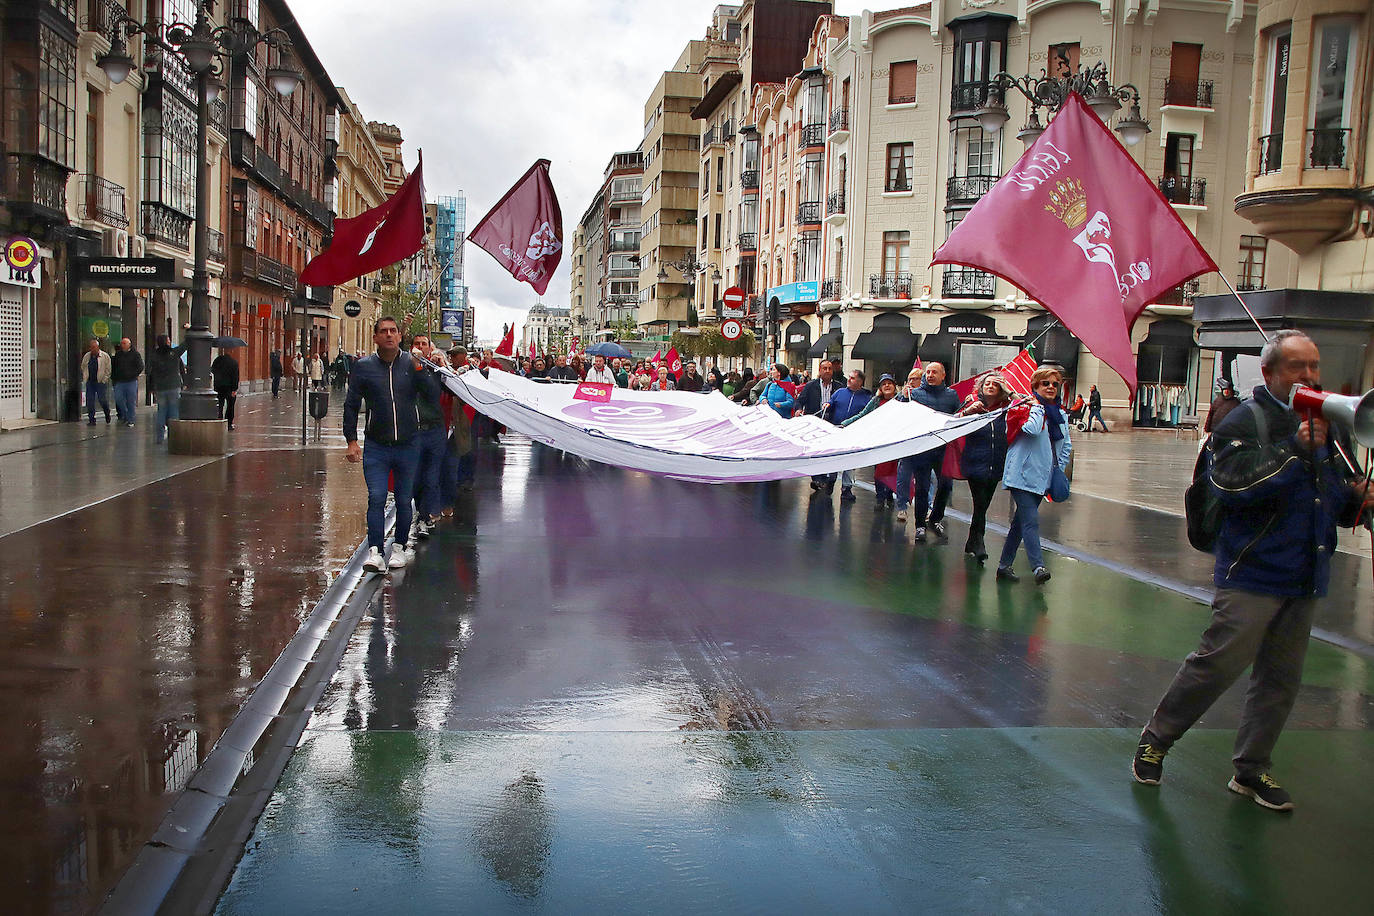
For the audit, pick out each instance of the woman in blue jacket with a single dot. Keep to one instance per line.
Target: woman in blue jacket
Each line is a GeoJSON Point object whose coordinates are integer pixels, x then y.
{"type": "Point", "coordinates": [1042, 443]}
{"type": "Point", "coordinates": [776, 394]}
{"type": "Point", "coordinates": [984, 456]}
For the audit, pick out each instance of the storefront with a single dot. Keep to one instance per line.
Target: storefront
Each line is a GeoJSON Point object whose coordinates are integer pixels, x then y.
{"type": "Point", "coordinates": [1166, 370]}
{"type": "Point", "coordinates": [21, 276]}
{"type": "Point", "coordinates": [889, 348]}
{"type": "Point", "coordinates": [788, 301]}
{"type": "Point", "coordinates": [796, 341]}
{"type": "Point", "coordinates": [968, 345]}
{"type": "Point", "coordinates": [829, 345]}
{"type": "Point", "coordinates": [1052, 344]}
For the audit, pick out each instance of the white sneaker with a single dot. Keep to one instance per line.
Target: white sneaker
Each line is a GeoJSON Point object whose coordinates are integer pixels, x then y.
{"type": "Point", "coordinates": [373, 561]}
{"type": "Point", "coordinates": [397, 560]}
{"type": "Point", "coordinates": [422, 528]}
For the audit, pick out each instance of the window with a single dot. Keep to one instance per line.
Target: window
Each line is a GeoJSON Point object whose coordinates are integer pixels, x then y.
{"type": "Point", "coordinates": [901, 83]}
{"type": "Point", "coordinates": [899, 157]}
{"type": "Point", "coordinates": [703, 233]}
{"type": "Point", "coordinates": [717, 231]}
{"type": "Point", "coordinates": [720, 174]}
{"type": "Point", "coordinates": [56, 100]}
{"type": "Point", "coordinates": [782, 209]}
{"type": "Point", "coordinates": [973, 152]}
{"type": "Point", "coordinates": [1178, 168]}
{"type": "Point", "coordinates": [1275, 101]}
{"type": "Point", "coordinates": [1333, 91]}
{"type": "Point", "coordinates": [980, 53]}
{"type": "Point", "coordinates": [896, 253]}
{"type": "Point", "coordinates": [169, 140]}
{"type": "Point", "coordinates": [1063, 59]}
{"type": "Point", "coordinates": [1252, 250]}
{"type": "Point", "coordinates": [1185, 63]}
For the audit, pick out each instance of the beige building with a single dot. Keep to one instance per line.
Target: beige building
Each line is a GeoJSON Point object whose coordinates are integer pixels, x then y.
{"type": "Point", "coordinates": [607, 267]}
{"type": "Point", "coordinates": [359, 186]}
{"type": "Point", "coordinates": [577, 279]}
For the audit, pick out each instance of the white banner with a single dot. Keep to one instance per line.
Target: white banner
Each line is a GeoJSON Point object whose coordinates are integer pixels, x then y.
{"type": "Point", "coordinates": [702, 437]}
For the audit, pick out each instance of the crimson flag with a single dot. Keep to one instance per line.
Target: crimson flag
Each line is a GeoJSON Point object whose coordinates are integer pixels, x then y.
{"type": "Point", "coordinates": [967, 387]}
{"type": "Point", "coordinates": [594, 391]}
{"type": "Point", "coordinates": [674, 363]}
{"type": "Point", "coordinates": [917, 365]}
{"type": "Point", "coordinates": [507, 345]}
{"type": "Point", "coordinates": [524, 231]}
{"type": "Point", "coordinates": [390, 232]}
{"type": "Point", "coordinates": [658, 355]}
{"type": "Point", "coordinates": [531, 349]}
{"type": "Point", "coordinates": [1077, 194]}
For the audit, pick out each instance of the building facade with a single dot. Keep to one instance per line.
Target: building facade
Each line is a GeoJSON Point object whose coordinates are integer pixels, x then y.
{"type": "Point", "coordinates": [549, 330]}
{"type": "Point", "coordinates": [450, 231]}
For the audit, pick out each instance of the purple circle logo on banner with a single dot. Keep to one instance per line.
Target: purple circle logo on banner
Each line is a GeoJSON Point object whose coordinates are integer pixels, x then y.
{"type": "Point", "coordinates": [628, 413]}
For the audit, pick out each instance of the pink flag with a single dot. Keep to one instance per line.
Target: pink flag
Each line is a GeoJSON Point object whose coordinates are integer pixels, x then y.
{"type": "Point", "coordinates": [917, 365]}
{"type": "Point", "coordinates": [594, 391]}
{"type": "Point", "coordinates": [531, 349]}
{"type": "Point", "coordinates": [967, 387]}
{"type": "Point", "coordinates": [524, 231]}
{"type": "Point", "coordinates": [1080, 227]}
{"type": "Point", "coordinates": [674, 363]}
{"type": "Point", "coordinates": [1018, 372]}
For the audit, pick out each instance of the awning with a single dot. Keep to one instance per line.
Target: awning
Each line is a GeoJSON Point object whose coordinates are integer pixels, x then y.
{"type": "Point", "coordinates": [831, 340]}
{"type": "Point", "coordinates": [887, 345]}
{"type": "Point", "coordinates": [1330, 317]}
{"type": "Point", "coordinates": [797, 337]}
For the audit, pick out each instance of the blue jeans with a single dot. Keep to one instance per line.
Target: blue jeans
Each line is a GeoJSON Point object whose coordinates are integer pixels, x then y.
{"type": "Point", "coordinates": [126, 399]}
{"type": "Point", "coordinates": [920, 467]}
{"type": "Point", "coordinates": [431, 444]}
{"type": "Point", "coordinates": [168, 408]}
{"type": "Point", "coordinates": [1025, 526]}
{"type": "Point", "coordinates": [379, 462]}
{"type": "Point", "coordinates": [1095, 413]}
{"type": "Point", "coordinates": [458, 470]}
{"type": "Point", "coordinates": [95, 391]}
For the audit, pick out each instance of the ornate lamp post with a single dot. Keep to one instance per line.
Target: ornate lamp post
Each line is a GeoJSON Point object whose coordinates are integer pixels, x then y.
{"type": "Point", "coordinates": [690, 268]}
{"type": "Point", "coordinates": [1051, 92]}
{"type": "Point", "coordinates": [201, 47]}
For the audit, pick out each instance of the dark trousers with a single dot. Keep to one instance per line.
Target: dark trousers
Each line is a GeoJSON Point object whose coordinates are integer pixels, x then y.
{"type": "Point", "coordinates": [95, 391]}
{"type": "Point", "coordinates": [225, 400]}
{"type": "Point", "coordinates": [431, 444]}
{"type": "Point", "coordinates": [457, 471]}
{"type": "Point", "coordinates": [982, 492]}
{"type": "Point", "coordinates": [276, 385]}
{"type": "Point", "coordinates": [1271, 631]}
{"type": "Point", "coordinates": [919, 468]}
{"type": "Point", "coordinates": [381, 462]}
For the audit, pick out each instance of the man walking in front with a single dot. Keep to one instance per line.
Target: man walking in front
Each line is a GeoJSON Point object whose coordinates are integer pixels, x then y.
{"type": "Point", "coordinates": [95, 369]}
{"type": "Point", "coordinates": [927, 388]}
{"type": "Point", "coordinates": [386, 380]}
{"type": "Point", "coordinates": [1283, 490]}
{"type": "Point", "coordinates": [225, 372]}
{"type": "Point", "coordinates": [125, 368]}
{"type": "Point", "coordinates": [814, 401]}
{"type": "Point", "coordinates": [431, 438]}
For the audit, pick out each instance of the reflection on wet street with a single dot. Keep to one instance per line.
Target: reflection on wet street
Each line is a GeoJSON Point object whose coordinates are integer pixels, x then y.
{"type": "Point", "coordinates": [133, 630]}
{"type": "Point", "coordinates": [599, 690]}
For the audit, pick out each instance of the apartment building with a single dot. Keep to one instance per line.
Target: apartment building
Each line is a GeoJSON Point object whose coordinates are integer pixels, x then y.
{"type": "Point", "coordinates": [607, 265]}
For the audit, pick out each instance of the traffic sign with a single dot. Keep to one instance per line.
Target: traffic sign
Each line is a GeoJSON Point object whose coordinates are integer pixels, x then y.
{"type": "Point", "coordinates": [731, 329]}
{"type": "Point", "coordinates": [733, 298]}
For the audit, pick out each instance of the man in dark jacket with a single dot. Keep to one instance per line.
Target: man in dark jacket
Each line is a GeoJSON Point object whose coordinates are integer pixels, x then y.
{"type": "Point", "coordinates": [1095, 409]}
{"type": "Point", "coordinates": [431, 439]}
{"type": "Point", "coordinates": [387, 381]}
{"type": "Point", "coordinates": [1283, 491]}
{"type": "Point", "coordinates": [846, 403]}
{"type": "Point", "coordinates": [125, 367]}
{"type": "Point", "coordinates": [1224, 403]}
{"type": "Point", "coordinates": [814, 400]}
{"type": "Point", "coordinates": [691, 379]}
{"type": "Point", "coordinates": [277, 370]}
{"type": "Point", "coordinates": [933, 393]}
{"type": "Point", "coordinates": [164, 377]}
{"type": "Point", "coordinates": [225, 372]}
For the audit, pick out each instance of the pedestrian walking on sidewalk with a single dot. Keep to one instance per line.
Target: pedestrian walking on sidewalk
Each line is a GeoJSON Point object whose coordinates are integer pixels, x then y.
{"type": "Point", "coordinates": [1041, 443]}
{"type": "Point", "coordinates": [125, 367]}
{"type": "Point", "coordinates": [225, 372]}
{"type": "Point", "coordinates": [386, 380]}
{"type": "Point", "coordinates": [1095, 409]}
{"type": "Point", "coordinates": [95, 369]}
{"type": "Point", "coordinates": [275, 367]}
{"type": "Point", "coordinates": [164, 377]}
{"type": "Point", "coordinates": [316, 369]}
{"type": "Point", "coordinates": [984, 457]}
{"type": "Point", "coordinates": [1283, 490]}
{"type": "Point", "coordinates": [1225, 402]}
{"type": "Point", "coordinates": [297, 373]}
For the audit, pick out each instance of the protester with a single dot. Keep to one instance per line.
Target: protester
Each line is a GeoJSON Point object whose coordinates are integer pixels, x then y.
{"type": "Point", "coordinates": [579, 366]}
{"type": "Point", "coordinates": [926, 387]}
{"type": "Point", "coordinates": [731, 384]}
{"type": "Point", "coordinates": [275, 367]}
{"type": "Point", "coordinates": [1041, 443]}
{"type": "Point", "coordinates": [460, 463]}
{"type": "Point", "coordinates": [664, 382]}
{"type": "Point", "coordinates": [846, 403]}
{"type": "Point", "coordinates": [561, 371]}
{"type": "Point", "coordinates": [526, 367]}
{"type": "Point", "coordinates": [778, 393]}
{"type": "Point", "coordinates": [538, 370]}
{"type": "Point", "coordinates": [386, 380]}
{"type": "Point", "coordinates": [1224, 403]}
{"type": "Point", "coordinates": [225, 372]}
{"type": "Point", "coordinates": [431, 437]}
{"type": "Point", "coordinates": [983, 457]}
{"type": "Point", "coordinates": [642, 382]}
{"type": "Point", "coordinates": [691, 379]}
{"type": "Point", "coordinates": [744, 386]}
{"type": "Point", "coordinates": [622, 377]}
{"type": "Point", "coordinates": [887, 390]}
{"type": "Point", "coordinates": [600, 372]}
{"type": "Point", "coordinates": [814, 401]}
{"type": "Point", "coordinates": [716, 378]}
{"type": "Point", "coordinates": [95, 369]}
{"type": "Point", "coordinates": [164, 377]}
{"type": "Point", "coordinates": [1283, 491]}
{"type": "Point", "coordinates": [1095, 409]}
{"type": "Point", "coordinates": [125, 367]}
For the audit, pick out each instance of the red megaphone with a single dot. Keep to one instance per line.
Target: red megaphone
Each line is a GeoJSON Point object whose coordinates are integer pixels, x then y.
{"type": "Point", "coordinates": [1355, 414]}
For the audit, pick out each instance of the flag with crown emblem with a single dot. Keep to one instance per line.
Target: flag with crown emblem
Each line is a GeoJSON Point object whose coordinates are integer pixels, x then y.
{"type": "Point", "coordinates": [1083, 230]}
{"type": "Point", "coordinates": [524, 231]}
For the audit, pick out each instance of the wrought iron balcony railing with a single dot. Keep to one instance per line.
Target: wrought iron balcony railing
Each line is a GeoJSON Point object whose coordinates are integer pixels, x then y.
{"type": "Point", "coordinates": [839, 120]}
{"type": "Point", "coordinates": [214, 248]}
{"type": "Point", "coordinates": [727, 131]}
{"type": "Point", "coordinates": [749, 241]}
{"type": "Point", "coordinates": [808, 212]}
{"type": "Point", "coordinates": [36, 185]}
{"type": "Point", "coordinates": [1326, 148]}
{"type": "Point", "coordinates": [1270, 153]}
{"type": "Point", "coordinates": [967, 96]}
{"type": "Point", "coordinates": [964, 188]}
{"type": "Point", "coordinates": [967, 283]}
{"type": "Point", "coordinates": [1188, 93]}
{"type": "Point", "coordinates": [813, 134]}
{"type": "Point", "coordinates": [890, 286]}
{"type": "Point", "coordinates": [102, 200]}
{"type": "Point", "coordinates": [834, 204]}
{"type": "Point", "coordinates": [163, 224]}
{"type": "Point", "coordinates": [709, 138]}
{"type": "Point", "coordinates": [1184, 191]}
{"type": "Point", "coordinates": [831, 289]}
{"type": "Point", "coordinates": [749, 178]}
{"type": "Point", "coordinates": [624, 244]}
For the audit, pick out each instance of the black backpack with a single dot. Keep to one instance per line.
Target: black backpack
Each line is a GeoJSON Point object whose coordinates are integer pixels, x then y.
{"type": "Point", "coordinates": [1201, 506]}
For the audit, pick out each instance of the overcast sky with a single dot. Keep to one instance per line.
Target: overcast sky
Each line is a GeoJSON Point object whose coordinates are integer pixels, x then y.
{"type": "Point", "coordinates": [486, 87]}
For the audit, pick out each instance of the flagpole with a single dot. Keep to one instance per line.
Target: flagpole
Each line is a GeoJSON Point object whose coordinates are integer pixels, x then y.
{"type": "Point", "coordinates": [1262, 331]}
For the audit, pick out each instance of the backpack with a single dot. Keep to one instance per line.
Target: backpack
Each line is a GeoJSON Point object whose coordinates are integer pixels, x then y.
{"type": "Point", "coordinates": [1201, 506]}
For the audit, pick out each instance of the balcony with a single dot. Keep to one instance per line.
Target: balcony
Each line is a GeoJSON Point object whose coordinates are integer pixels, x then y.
{"type": "Point", "coordinates": [832, 289]}
{"type": "Point", "coordinates": [268, 170]}
{"type": "Point", "coordinates": [320, 295]}
{"type": "Point", "coordinates": [813, 134]}
{"type": "Point", "coordinates": [808, 213]}
{"type": "Point", "coordinates": [1326, 148]}
{"type": "Point", "coordinates": [727, 131]}
{"type": "Point", "coordinates": [625, 195]}
{"type": "Point", "coordinates": [214, 245]}
{"type": "Point", "coordinates": [623, 272]}
{"type": "Point", "coordinates": [1180, 295]}
{"type": "Point", "coordinates": [749, 241]}
{"type": "Point", "coordinates": [967, 96]}
{"type": "Point", "coordinates": [243, 149]}
{"type": "Point", "coordinates": [749, 179]}
{"type": "Point", "coordinates": [1188, 94]}
{"type": "Point", "coordinates": [1270, 153]}
{"type": "Point", "coordinates": [710, 138]}
{"type": "Point", "coordinates": [163, 224]}
{"type": "Point", "coordinates": [101, 200]}
{"type": "Point", "coordinates": [1184, 191]}
{"type": "Point", "coordinates": [967, 283]}
{"type": "Point", "coordinates": [839, 121]}
{"type": "Point", "coordinates": [624, 244]}
{"type": "Point", "coordinates": [35, 186]}
{"type": "Point", "coordinates": [834, 204]}
{"type": "Point", "coordinates": [104, 14]}
{"type": "Point", "coordinates": [890, 286]}
{"type": "Point", "coordinates": [968, 188]}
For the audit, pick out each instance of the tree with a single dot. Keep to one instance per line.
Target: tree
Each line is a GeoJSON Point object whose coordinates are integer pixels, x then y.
{"type": "Point", "coordinates": [406, 307]}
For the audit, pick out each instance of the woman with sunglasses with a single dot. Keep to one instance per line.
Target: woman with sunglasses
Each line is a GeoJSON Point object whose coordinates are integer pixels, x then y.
{"type": "Point", "coordinates": [1041, 443]}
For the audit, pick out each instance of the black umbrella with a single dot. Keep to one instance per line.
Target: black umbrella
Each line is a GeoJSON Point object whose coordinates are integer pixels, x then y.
{"type": "Point", "coordinates": [228, 343]}
{"type": "Point", "coordinates": [609, 349]}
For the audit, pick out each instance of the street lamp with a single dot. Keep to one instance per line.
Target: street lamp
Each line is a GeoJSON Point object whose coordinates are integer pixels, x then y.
{"type": "Point", "coordinates": [1051, 92]}
{"type": "Point", "coordinates": [200, 46]}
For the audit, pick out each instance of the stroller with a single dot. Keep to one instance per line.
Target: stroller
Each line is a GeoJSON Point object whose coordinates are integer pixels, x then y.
{"type": "Point", "coordinates": [1076, 412]}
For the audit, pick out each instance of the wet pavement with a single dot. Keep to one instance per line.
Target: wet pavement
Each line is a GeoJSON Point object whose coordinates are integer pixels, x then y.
{"type": "Point", "coordinates": [142, 597]}
{"type": "Point", "coordinates": [604, 691]}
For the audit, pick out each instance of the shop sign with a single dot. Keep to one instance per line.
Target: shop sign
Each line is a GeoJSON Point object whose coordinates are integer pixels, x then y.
{"type": "Point", "coordinates": [451, 321]}
{"type": "Point", "coordinates": [134, 273]}
{"type": "Point", "coordinates": [22, 264]}
{"type": "Point", "coordinates": [790, 293]}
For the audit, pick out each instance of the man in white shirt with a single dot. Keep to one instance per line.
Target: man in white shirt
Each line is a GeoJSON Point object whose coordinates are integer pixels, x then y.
{"type": "Point", "coordinates": [600, 372]}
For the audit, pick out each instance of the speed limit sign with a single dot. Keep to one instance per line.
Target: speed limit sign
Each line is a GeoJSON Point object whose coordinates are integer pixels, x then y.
{"type": "Point", "coordinates": [731, 329]}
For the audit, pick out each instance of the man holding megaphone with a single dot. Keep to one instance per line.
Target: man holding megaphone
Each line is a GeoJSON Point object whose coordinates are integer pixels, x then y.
{"type": "Point", "coordinates": [1283, 487]}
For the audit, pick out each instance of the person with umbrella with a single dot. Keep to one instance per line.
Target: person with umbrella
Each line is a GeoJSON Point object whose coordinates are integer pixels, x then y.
{"type": "Point", "coordinates": [225, 373]}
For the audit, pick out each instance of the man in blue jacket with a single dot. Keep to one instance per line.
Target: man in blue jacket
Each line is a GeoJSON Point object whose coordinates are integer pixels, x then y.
{"type": "Point", "coordinates": [926, 388]}
{"type": "Point", "coordinates": [387, 381]}
{"type": "Point", "coordinates": [1283, 491]}
{"type": "Point", "coordinates": [848, 402]}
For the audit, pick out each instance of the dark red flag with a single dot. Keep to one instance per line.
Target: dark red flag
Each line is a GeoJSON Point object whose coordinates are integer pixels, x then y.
{"type": "Point", "coordinates": [380, 237]}
{"type": "Point", "coordinates": [507, 345]}
{"type": "Point", "coordinates": [1080, 227]}
{"type": "Point", "coordinates": [524, 231]}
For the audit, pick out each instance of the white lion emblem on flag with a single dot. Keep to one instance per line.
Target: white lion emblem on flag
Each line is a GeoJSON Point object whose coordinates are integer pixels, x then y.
{"type": "Point", "coordinates": [543, 243]}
